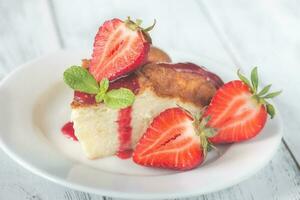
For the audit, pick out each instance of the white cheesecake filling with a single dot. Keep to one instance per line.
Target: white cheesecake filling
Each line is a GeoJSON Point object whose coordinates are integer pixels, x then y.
{"type": "Point", "coordinates": [97, 130]}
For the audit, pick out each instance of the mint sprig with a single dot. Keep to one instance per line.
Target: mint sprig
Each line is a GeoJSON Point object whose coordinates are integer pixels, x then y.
{"type": "Point", "coordinates": [104, 84]}
{"type": "Point", "coordinates": [79, 79]}
{"type": "Point", "coordinates": [262, 95]}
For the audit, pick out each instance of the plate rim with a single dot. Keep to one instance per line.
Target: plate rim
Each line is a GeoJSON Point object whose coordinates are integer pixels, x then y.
{"type": "Point", "coordinates": [110, 192]}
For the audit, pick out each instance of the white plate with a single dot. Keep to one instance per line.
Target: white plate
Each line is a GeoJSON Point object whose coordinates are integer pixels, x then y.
{"type": "Point", "coordinates": [34, 105]}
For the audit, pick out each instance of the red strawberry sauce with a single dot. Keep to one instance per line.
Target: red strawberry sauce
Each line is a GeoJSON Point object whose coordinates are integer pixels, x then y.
{"type": "Point", "coordinates": [68, 131]}
{"type": "Point", "coordinates": [195, 69]}
{"type": "Point", "coordinates": [84, 98]}
{"type": "Point", "coordinates": [124, 116]}
{"type": "Point", "coordinates": [129, 82]}
{"type": "Point", "coordinates": [125, 132]}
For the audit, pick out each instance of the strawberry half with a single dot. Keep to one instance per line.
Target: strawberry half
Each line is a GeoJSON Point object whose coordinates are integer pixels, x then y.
{"type": "Point", "coordinates": [237, 111]}
{"type": "Point", "coordinates": [173, 141]}
{"type": "Point", "coordinates": [119, 48]}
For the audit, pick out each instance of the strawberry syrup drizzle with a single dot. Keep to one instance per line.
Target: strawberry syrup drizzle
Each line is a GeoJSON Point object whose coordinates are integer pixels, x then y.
{"type": "Point", "coordinates": [68, 131]}
{"type": "Point", "coordinates": [200, 70]}
{"type": "Point", "coordinates": [129, 82]}
{"type": "Point", "coordinates": [124, 116]}
{"type": "Point", "coordinates": [84, 98]}
{"type": "Point", "coordinates": [125, 132]}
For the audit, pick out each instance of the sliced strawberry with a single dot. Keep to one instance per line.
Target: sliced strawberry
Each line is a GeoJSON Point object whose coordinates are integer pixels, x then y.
{"type": "Point", "coordinates": [171, 141]}
{"type": "Point", "coordinates": [237, 111]}
{"type": "Point", "coordinates": [119, 48]}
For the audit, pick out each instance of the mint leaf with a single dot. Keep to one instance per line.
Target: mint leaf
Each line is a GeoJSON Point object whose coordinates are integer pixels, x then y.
{"type": "Point", "coordinates": [104, 84]}
{"type": "Point", "coordinates": [99, 97]}
{"type": "Point", "coordinates": [80, 79]}
{"type": "Point", "coordinates": [119, 98]}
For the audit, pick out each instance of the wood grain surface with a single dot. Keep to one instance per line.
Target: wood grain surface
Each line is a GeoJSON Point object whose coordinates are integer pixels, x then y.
{"type": "Point", "coordinates": [266, 34]}
{"type": "Point", "coordinates": [241, 33]}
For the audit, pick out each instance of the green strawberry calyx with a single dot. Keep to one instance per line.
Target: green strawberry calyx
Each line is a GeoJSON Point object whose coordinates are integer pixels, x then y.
{"type": "Point", "coordinates": [137, 26]}
{"type": "Point", "coordinates": [204, 132]}
{"type": "Point", "coordinates": [202, 129]}
{"type": "Point", "coordinates": [262, 95]}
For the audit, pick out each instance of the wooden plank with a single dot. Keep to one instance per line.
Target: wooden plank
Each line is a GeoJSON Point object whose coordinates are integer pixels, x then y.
{"type": "Point", "coordinates": [180, 26]}
{"type": "Point", "coordinates": [266, 34]}
{"type": "Point", "coordinates": [280, 179]}
{"type": "Point", "coordinates": [88, 25]}
{"type": "Point", "coordinates": [17, 183]}
{"type": "Point", "coordinates": [27, 31]}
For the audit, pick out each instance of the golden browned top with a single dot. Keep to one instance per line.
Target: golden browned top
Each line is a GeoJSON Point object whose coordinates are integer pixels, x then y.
{"type": "Point", "coordinates": [167, 82]}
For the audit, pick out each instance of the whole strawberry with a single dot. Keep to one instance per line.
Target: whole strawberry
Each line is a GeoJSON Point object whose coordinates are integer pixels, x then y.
{"type": "Point", "coordinates": [174, 140]}
{"type": "Point", "coordinates": [238, 111]}
{"type": "Point", "coordinates": [119, 48]}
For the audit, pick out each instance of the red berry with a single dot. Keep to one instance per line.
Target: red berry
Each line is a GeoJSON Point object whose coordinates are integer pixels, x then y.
{"type": "Point", "coordinates": [119, 48]}
{"type": "Point", "coordinates": [170, 142]}
{"type": "Point", "coordinates": [235, 113]}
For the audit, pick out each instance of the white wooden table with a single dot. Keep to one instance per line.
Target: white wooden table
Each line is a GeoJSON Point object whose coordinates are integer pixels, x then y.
{"type": "Point", "coordinates": [242, 33]}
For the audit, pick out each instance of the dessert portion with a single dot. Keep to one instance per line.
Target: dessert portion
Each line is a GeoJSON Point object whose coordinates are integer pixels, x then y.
{"type": "Point", "coordinates": [130, 99]}
{"type": "Point", "coordinates": [103, 131]}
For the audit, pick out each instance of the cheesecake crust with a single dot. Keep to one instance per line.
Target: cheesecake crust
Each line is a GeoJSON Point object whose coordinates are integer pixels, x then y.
{"type": "Point", "coordinates": [167, 82]}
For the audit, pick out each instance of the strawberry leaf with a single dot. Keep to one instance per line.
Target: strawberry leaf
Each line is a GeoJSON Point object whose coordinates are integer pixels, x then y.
{"type": "Point", "coordinates": [272, 95]}
{"type": "Point", "coordinates": [210, 146]}
{"type": "Point", "coordinates": [254, 79]}
{"type": "Point", "coordinates": [203, 122]}
{"type": "Point", "coordinates": [270, 110]}
{"type": "Point", "coordinates": [210, 132]}
{"type": "Point", "coordinates": [265, 90]}
{"type": "Point", "coordinates": [204, 144]}
{"type": "Point", "coordinates": [262, 101]}
{"type": "Point", "coordinates": [243, 78]}
{"type": "Point", "coordinates": [80, 79]}
{"type": "Point", "coordinates": [150, 27]}
{"type": "Point", "coordinates": [138, 22]}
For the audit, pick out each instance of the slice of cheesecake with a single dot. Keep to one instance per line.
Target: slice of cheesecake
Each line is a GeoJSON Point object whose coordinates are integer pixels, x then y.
{"type": "Point", "coordinates": [102, 131]}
